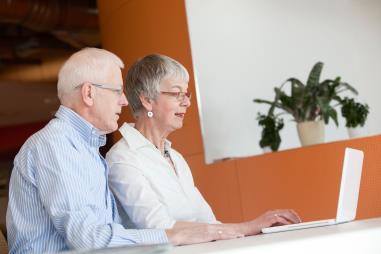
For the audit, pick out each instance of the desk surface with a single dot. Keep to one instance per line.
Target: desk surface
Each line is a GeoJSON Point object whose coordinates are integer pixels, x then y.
{"type": "Point", "coordinates": [363, 236]}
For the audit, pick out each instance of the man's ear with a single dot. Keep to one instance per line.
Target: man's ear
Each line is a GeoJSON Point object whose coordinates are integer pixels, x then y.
{"type": "Point", "coordinates": [87, 94]}
{"type": "Point", "coordinates": [146, 102]}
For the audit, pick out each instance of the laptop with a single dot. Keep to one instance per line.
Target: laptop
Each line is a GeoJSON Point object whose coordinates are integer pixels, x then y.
{"type": "Point", "coordinates": [348, 197]}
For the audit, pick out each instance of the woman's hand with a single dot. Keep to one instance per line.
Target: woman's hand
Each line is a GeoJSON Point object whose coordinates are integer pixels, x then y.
{"type": "Point", "coordinates": [269, 219]}
{"type": "Point", "coordinates": [193, 232]}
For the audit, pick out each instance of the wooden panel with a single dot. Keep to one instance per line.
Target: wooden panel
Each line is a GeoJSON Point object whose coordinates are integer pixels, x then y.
{"type": "Point", "coordinates": [370, 199]}
{"type": "Point", "coordinates": [308, 179]}
{"type": "Point", "coordinates": [284, 180]}
{"type": "Point", "coordinates": [13, 137]}
{"type": "Point", "coordinates": [3, 244]}
{"type": "Point", "coordinates": [134, 28]}
{"type": "Point", "coordinates": [219, 185]}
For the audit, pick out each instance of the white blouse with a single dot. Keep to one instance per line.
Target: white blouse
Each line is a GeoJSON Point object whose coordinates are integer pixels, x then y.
{"type": "Point", "coordinates": [147, 188]}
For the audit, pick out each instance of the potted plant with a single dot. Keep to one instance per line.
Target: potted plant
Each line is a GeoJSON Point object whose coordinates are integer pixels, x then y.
{"type": "Point", "coordinates": [271, 126]}
{"type": "Point", "coordinates": [310, 104]}
{"type": "Point", "coordinates": [355, 115]}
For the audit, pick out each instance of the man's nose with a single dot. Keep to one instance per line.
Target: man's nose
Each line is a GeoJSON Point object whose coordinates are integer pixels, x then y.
{"type": "Point", "coordinates": [123, 100]}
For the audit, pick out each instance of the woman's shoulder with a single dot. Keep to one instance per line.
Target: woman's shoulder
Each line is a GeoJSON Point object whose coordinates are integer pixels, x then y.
{"type": "Point", "coordinates": [177, 154]}
{"type": "Point", "coordinates": [180, 161]}
{"type": "Point", "coordinates": [123, 162]}
{"type": "Point", "coordinates": [120, 152]}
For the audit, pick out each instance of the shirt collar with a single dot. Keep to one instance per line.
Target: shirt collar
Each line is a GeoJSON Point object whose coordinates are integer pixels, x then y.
{"type": "Point", "coordinates": [136, 140]}
{"type": "Point", "coordinates": [86, 130]}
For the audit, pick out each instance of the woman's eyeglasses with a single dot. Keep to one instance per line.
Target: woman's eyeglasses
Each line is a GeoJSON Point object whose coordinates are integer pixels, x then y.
{"type": "Point", "coordinates": [180, 96]}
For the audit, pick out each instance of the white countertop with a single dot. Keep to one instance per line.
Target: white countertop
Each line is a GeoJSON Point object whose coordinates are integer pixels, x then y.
{"type": "Point", "coordinates": [362, 236]}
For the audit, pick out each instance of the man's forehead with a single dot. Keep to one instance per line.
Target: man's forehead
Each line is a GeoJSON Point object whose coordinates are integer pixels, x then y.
{"type": "Point", "coordinates": [115, 78]}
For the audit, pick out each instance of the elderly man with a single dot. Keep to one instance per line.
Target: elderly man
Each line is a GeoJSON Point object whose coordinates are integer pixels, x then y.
{"type": "Point", "coordinates": [59, 197]}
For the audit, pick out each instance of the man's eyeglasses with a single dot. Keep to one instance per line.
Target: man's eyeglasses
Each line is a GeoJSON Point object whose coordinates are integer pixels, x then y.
{"type": "Point", "coordinates": [119, 91]}
{"type": "Point", "coordinates": [180, 96]}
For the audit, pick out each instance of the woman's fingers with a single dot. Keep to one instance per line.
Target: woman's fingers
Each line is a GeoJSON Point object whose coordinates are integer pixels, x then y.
{"type": "Point", "coordinates": [280, 220]}
{"type": "Point", "coordinates": [290, 215]}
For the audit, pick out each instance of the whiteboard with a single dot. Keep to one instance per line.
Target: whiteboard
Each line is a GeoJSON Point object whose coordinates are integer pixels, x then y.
{"type": "Point", "coordinates": [242, 49]}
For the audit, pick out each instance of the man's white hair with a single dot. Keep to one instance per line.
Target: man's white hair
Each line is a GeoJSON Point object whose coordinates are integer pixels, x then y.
{"type": "Point", "coordinates": [87, 65]}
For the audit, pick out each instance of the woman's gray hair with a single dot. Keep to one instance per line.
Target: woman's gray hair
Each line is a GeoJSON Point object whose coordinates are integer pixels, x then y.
{"type": "Point", "coordinates": [145, 75]}
{"type": "Point", "coordinates": [86, 65]}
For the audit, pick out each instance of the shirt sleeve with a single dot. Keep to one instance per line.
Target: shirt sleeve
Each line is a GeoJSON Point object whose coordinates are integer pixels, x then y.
{"type": "Point", "coordinates": [135, 194]}
{"type": "Point", "coordinates": [205, 212]}
{"type": "Point", "coordinates": [64, 191]}
{"type": "Point", "coordinates": [204, 206]}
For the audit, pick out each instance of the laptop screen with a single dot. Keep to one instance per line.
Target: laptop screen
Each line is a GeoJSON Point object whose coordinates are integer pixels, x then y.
{"type": "Point", "coordinates": [350, 185]}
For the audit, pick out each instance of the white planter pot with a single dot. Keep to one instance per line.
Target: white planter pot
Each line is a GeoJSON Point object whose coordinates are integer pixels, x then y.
{"type": "Point", "coordinates": [311, 133]}
{"type": "Point", "coordinates": [266, 149]}
{"type": "Point", "coordinates": [355, 132]}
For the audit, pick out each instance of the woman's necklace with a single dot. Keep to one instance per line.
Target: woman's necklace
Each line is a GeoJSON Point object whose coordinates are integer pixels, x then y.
{"type": "Point", "coordinates": [165, 154]}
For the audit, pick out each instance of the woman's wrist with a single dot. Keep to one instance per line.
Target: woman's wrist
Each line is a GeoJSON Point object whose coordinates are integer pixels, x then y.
{"type": "Point", "coordinates": [248, 228]}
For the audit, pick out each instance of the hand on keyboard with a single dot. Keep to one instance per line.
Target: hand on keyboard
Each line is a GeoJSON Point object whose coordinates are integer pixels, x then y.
{"type": "Point", "coordinates": [272, 218]}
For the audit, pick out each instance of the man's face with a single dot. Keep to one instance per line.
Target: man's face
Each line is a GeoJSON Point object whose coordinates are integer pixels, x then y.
{"type": "Point", "coordinates": [108, 104]}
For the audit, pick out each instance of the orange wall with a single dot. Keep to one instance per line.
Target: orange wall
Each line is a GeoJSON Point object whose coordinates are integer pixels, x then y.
{"type": "Point", "coordinates": [308, 179]}
{"type": "Point", "coordinates": [134, 28]}
{"type": "Point", "coordinates": [304, 179]}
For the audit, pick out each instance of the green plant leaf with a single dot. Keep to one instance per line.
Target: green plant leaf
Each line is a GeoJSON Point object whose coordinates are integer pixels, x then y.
{"type": "Point", "coordinates": [314, 76]}
{"type": "Point", "coordinates": [333, 114]}
{"type": "Point", "coordinates": [347, 86]}
{"type": "Point", "coordinates": [263, 101]}
{"type": "Point", "coordinates": [354, 112]}
{"type": "Point", "coordinates": [271, 126]}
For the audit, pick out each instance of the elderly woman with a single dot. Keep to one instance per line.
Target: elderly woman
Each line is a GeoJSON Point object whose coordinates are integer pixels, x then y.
{"type": "Point", "coordinates": [151, 180]}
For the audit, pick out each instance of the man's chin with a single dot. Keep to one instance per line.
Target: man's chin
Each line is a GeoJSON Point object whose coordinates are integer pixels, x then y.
{"type": "Point", "coordinates": [110, 130]}
{"type": "Point", "coordinates": [113, 129]}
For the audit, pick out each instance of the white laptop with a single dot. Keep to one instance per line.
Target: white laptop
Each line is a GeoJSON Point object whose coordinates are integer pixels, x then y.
{"type": "Point", "coordinates": [348, 197]}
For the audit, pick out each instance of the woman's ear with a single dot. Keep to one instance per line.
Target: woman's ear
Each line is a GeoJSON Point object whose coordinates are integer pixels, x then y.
{"type": "Point", "coordinates": [87, 94]}
{"type": "Point", "coordinates": [146, 102]}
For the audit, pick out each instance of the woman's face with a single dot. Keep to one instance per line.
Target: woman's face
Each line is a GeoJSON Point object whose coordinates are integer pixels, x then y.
{"type": "Point", "coordinates": [170, 106]}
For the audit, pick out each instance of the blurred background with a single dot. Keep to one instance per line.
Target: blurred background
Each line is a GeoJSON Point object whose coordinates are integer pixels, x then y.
{"type": "Point", "coordinates": [36, 37]}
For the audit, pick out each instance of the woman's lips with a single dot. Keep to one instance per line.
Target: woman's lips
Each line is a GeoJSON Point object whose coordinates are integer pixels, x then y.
{"type": "Point", "coordinates": [180, 115]}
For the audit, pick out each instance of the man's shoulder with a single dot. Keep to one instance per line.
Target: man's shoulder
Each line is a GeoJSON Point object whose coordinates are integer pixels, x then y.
{"type": "Point", "coordinates": [36, 146]}
{"type": "Point", "coordinates": [56, 131]}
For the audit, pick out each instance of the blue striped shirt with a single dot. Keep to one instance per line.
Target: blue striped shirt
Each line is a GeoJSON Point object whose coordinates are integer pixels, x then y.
{"type": "Point", "coordinates": [59, 196]}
